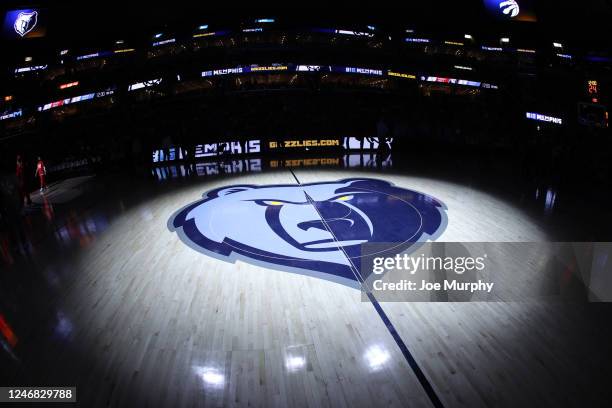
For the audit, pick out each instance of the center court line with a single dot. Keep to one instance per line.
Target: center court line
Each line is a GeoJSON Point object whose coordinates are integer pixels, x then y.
{"type": "Point", "coordinates": [429, 390]}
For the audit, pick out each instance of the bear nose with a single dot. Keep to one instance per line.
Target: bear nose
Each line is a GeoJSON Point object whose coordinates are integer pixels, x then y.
{"type": "Point", "coordinates": [306, 225]}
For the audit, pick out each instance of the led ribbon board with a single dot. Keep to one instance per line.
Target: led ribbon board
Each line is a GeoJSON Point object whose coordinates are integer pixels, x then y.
{"type": "Point", "coordinates": [172, 154]}
{"type": "Point", "coordinates": [416, 40]}
{"type": "Point", "coordinates": [543, 118]}
{"type": "Point", "coordinates": [400, 75]}
{"type": "Point", "coordinates": [145, 84]}
{"type": "Point", "coordinates": [227, 148]}
{"type": "Point", "coordinates": [325, 68]}
{"type": "Point", "coordinates": [245, 70]}
{"type": "Point", "coordinates": [164, 42]}
{"type": "Point", "coordinates": [30, 69]}
{"type": "Point", "coordinates": [11, 115]}
{"type": "Point", "coordinates": [290, 144]}
{"type": "Point", "coordinates": [75, 99]}
{"type": "Point", "coordinates": [456, 81]}
{"type": "Point", "coordinates": [211, 34]}
{"type": "Point", "coordinates": [364, 143]}
{"type": "Point", "coordinates": [355, 33]}
{"type": "Point", "coordinates": [94, 55]}
{"type": "Point", "coordinates": [364, 71]}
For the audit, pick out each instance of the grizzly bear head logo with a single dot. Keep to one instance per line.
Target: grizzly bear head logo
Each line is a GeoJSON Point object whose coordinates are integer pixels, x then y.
{"type": "Point", "coordinates": [314, 228]}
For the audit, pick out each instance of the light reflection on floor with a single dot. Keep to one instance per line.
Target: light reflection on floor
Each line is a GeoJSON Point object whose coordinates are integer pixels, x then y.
{"type": "Point", "coordinates": [61, 227]}
{"type": "Point", "coordinates": [172, 170]}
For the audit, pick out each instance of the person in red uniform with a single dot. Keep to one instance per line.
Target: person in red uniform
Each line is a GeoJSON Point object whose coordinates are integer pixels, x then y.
{"type": "Point", "coordinates": [41, 172]}
{"type": "Point", "coordinates": [22, 185]}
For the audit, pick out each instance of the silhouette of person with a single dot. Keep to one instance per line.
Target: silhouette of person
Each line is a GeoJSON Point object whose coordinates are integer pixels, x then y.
{"type": "Point", "coordinates": [22, 185]}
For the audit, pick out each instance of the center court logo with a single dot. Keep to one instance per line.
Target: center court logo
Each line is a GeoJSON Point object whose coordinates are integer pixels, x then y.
{"type": "Point", "coordinates": [314, 228]}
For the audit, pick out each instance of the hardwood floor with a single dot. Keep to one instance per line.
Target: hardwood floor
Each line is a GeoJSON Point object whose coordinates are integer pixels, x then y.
{"type": "Point", "coordinates": [137, 318]}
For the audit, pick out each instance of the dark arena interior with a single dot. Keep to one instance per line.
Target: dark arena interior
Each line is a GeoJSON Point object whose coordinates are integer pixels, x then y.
{"type": "Point", "coordinates": [306, 205]}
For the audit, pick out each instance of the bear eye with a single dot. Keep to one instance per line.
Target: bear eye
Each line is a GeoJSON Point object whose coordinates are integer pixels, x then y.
{"type": "Point", "coordinates": [345, 198]}
{"type": "Point", "coordinates": [275, 203]}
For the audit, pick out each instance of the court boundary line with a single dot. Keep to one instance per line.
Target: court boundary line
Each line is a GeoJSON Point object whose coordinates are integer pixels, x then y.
{"type": "Point", "coordinates": [416, 369]}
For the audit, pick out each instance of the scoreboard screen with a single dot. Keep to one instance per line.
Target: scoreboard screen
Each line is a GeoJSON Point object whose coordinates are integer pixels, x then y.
{"type": "Point", "coordinates": [511, 10]}
{"type": "Point", "coordinates": [24, 23]}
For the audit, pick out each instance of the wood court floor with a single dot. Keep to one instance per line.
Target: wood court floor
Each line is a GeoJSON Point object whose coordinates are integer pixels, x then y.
{"type": "Point", "coordinates": [141, 319]}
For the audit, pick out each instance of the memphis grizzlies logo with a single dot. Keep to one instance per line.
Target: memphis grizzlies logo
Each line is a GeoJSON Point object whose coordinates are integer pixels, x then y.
{"type": "Point", "coordinates": [314, 228]}
{"type": "Point", "coordinates": [25, 22]}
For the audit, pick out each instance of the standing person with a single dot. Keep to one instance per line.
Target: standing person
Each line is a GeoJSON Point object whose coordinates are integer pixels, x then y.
{"type": "Point", "coordinates": [41, 173]}
{"type": "Point", "coordinates": [22, 185]}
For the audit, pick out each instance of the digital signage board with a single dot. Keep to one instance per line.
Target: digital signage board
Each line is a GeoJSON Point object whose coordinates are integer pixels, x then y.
{"type": "Point", "coordinates": [24, 23]}
{"type": "Point", "coordinates": [511, 10]}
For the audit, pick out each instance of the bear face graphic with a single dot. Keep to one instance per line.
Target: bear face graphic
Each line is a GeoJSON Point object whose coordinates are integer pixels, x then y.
{"type": "Point", "coordinates": [25, 22]}
{"type": "Point", "coordinates": [316, 227]}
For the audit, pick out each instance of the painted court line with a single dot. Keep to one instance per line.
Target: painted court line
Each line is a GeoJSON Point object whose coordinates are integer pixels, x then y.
{"type": "Point", "coordinates": [429, 390]}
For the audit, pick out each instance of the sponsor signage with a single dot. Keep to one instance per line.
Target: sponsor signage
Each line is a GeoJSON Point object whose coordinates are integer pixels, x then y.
{"type": "Point", "coordinates": [543, 118]}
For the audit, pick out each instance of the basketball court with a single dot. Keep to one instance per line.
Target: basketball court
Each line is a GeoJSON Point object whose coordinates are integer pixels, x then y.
{"type": "Point", "coordinates": [302, 205]}
{"type": "Point", "coordinates": [137, 310]}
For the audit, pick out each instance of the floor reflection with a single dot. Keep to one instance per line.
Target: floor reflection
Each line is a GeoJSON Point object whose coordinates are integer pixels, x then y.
{"type": "Point", "coordinates": [255, 165]}
{"type": "Point", "coordinates": [211, 377]}
{"type": "Point", "coordinates": [39, 249]}
{"type": "Point", "coordinates": [295, 363]}
{"type": "Point", "coordinates": [376, 357]}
